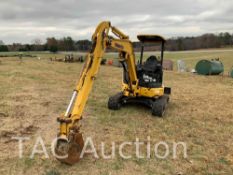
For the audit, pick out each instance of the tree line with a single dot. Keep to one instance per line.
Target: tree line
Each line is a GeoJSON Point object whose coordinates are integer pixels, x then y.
{"type": "Point", "coordinates": [173, 44]}
{"type": "Point", "coordinates": [200, 42]}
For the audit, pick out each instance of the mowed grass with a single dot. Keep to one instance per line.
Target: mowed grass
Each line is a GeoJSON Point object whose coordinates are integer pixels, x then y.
{"type": "Point", "coordinates": [34, 92]}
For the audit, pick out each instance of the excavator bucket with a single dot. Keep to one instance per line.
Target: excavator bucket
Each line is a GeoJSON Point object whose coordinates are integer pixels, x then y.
{"type": "Point", "coordinates": [70, 148]}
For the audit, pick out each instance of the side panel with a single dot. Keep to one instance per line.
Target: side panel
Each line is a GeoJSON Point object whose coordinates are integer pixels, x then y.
{"type": "Point", "coordinates": [144, 92]}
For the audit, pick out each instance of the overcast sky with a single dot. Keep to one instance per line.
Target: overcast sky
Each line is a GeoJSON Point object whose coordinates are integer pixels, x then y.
{"type": "Point", "coordinates": [25, 20]}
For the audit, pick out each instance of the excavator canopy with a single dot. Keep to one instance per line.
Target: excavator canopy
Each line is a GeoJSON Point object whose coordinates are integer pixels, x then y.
{"type": "Point", "coordinates": [151, 38]}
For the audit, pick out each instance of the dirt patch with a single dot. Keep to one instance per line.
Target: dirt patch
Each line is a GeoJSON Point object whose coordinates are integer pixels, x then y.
{"type": "Point", "coordinates": [29, 130]}
{"type": "Point", "coordinates": [47, 103]}
{"type": "Point", "coordinates": [3, 115]}
{"type": "Point", "coordinates": [19, 98]}
{"type": "Point", "coordinates": [7, 134]}
{"type": "Point", "coordinates": [26, 131]}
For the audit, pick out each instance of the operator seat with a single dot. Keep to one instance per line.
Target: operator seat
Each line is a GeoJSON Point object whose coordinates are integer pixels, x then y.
{"type": "Point", "coordinates": [151, 64]}
{"type": "Point", "coordinates": [150, 73]}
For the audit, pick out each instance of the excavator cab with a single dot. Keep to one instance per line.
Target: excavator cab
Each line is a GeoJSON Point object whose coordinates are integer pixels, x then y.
{"type": "Point", "coordinates": [150, 39]}
{"type": "Point", "coordinates": [150, 72]}
{"type": "Point", "coordinates": [150, 90]}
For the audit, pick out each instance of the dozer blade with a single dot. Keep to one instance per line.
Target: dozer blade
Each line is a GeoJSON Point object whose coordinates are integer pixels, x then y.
{"type": "Point", "coordinates": [70, 148]}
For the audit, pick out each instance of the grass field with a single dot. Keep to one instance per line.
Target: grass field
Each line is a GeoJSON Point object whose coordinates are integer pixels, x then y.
{"type": "Point", "coordinates": [35, 92]}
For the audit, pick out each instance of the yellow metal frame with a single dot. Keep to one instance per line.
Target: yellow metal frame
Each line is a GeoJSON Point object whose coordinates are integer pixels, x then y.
{"type": "Point", "coordinates": [143, 91]}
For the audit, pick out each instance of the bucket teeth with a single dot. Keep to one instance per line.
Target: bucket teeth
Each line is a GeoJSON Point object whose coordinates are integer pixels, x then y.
{"type": "Point", "coordinates": [71, 147]}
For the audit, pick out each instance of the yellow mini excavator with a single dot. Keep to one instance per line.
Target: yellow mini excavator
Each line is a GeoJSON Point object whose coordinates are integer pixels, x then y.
{"type": "Point", "coordinates": [142, 83]}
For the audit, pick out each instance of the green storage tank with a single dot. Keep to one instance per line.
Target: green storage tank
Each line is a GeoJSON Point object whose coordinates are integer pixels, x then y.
{"type": "Point", "coordinates": [207, 67]}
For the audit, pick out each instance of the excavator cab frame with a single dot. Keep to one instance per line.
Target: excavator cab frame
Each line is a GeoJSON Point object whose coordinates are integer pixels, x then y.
{"type": "Point", "coordinates": [151, 39]}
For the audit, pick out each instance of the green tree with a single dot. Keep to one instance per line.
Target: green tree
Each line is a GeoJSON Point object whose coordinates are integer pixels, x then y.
{"type": "Point", "coordinates": [83, 45]}
{"type": "Point", "coordinates": [3, 48]}
{"type": "Point", "coordinates": [52, 44]}
{"type": "Point", "coordinates": [225, 38]}
{"type": "Point", "coordinates": [180, 43]}
{"type": "Point", "coordinates": [53, 48]}
{"type": "Point", "coordinates": [69, 43]}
